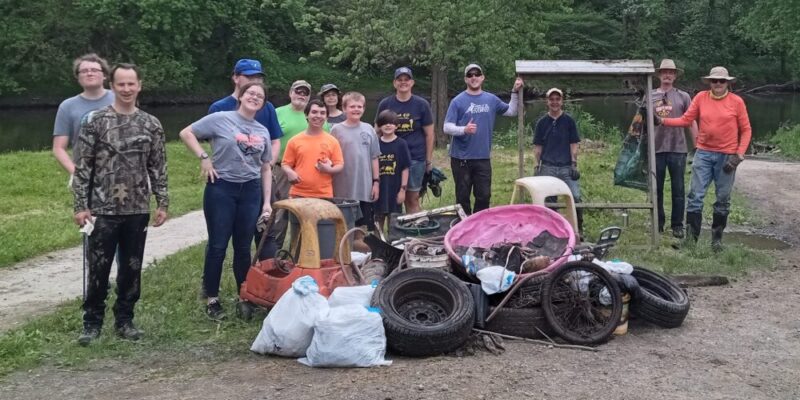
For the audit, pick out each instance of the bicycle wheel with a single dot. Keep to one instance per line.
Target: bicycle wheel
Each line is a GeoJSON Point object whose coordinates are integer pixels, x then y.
{"type": "Point", "coordinates": [582, 303]}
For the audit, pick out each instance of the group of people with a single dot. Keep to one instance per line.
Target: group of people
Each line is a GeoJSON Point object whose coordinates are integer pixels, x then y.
{"type": "Point", "coordinates": [322, 148]}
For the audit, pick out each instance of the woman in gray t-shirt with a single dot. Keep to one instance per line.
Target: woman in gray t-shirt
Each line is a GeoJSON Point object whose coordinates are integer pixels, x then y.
{"type": "Point", "coordinates": [239, 176]}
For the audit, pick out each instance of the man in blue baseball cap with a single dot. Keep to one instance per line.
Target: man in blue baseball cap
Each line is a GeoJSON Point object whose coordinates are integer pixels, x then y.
{"type": "Point", "coordinates": [244, 72]}
{"type": "Point", "coordinates": [415, 126]}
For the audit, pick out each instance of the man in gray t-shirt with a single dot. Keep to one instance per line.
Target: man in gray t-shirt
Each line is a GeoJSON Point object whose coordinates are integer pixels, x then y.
{"type": "Point", "coordinates": [91, 72]}
{"type": "Point", "coordinates": [671, 148]}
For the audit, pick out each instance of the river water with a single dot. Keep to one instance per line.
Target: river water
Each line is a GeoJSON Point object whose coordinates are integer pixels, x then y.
{"type": "Point", "coordinates": [31, 129]}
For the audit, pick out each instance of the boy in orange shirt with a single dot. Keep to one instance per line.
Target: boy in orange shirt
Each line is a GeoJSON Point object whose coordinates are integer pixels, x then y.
{"type": "Point", "coordinates": [312, 157]}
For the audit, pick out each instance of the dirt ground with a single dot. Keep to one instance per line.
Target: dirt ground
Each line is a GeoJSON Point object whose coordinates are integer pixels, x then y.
{"type": "Point", "coordinates": [739, 341]}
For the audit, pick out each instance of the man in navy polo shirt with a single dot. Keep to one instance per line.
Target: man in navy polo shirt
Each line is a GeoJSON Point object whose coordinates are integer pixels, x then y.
{"type": "Point", "coordinates": [555, 147]}
{"type": "Point", "coordinates": [415, 126]}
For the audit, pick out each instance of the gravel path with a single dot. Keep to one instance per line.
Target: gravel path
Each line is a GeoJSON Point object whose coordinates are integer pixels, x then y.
{"type": "Point", "coordinates": [33, 287]}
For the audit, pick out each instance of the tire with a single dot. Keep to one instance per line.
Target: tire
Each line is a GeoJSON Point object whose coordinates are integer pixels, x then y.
{"type": "Point", "coordinates": [660, 301]}
{"type": "Point", "coordinates": [572, 300]}
{"type": "Point", "coordinates": [245, 310]}
{"type": "Point", "coordinates": [425, 311]}
{"type": "Point", "coordinates": [522, 322]}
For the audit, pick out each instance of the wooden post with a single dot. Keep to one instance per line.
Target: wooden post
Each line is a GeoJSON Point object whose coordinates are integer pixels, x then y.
{"type": "Point", "coordinates": [651, 163]}
{"type": "Point", "coordinates": [521, 131]}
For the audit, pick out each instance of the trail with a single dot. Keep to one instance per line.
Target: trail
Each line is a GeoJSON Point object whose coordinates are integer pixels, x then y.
{"type": "Point", "coordinates": [32, 287]}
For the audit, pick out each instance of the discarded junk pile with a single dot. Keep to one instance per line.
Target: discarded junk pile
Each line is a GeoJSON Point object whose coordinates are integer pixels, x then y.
{"type": "Point", "coordinates": [514, 270]}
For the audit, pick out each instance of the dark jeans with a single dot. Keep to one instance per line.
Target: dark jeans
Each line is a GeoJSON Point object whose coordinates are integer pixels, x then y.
{"type": "Point", "coordinates": [123, 235]}
{"type": "Point", "coordinates": [231, 210]}
{"type": "Point", "coordinates": [277, 232]}
{"type": "Point", "coordinates": [472, 177]}
{"type": "Point", "coordinates": [675, 163]}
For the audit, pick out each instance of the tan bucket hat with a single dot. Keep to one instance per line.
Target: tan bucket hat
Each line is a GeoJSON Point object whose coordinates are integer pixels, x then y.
{"type": "Point", "coordinates": [718, 73]}
{"type": "Point", "coordinates": [669, 64]}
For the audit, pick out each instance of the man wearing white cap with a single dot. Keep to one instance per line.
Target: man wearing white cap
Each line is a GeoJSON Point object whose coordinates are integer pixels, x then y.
{"type": "Point", "coordinates": [671, 148]}
{"type": "Point", "coordinates": [470, 121]}
{"type": "Point", "coordinates": [555, 147]}
{"type": "Point", "coordinates": [723, 137]}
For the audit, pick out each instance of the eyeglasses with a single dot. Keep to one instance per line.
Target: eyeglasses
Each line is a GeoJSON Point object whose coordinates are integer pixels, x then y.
{"type": "Point", "coordinates": [473, 74]}
{"type": "Point", "coordinates": [718, 80]}
{"type": "Point", "coordinates": [301, 92]}
{"type": "Point", "coordinates": [89, 70]}
{"type": "Point", "coordinates": [255, 94]}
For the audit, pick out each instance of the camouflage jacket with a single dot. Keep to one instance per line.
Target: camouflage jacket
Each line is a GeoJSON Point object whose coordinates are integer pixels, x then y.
{"type": "Point", "coordinates": [118, 153]}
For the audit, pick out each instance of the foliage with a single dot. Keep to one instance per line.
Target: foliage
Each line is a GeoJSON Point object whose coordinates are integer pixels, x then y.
{"type": "Point", "coordinates": [787, 138]}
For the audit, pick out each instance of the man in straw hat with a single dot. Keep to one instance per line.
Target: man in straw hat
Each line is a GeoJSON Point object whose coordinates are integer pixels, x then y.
{"type": "Point", "coordinates": [723, 137]}
{"type": "Point", "coordinates": [670, 144]}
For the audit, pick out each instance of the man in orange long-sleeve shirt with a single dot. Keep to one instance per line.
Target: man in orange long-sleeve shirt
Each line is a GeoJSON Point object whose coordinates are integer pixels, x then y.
{"type": "Point", "coordinates": [723, 137]}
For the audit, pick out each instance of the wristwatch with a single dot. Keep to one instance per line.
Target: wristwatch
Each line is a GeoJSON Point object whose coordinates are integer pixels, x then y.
{"type": "Point", "coordinates": [203, 155]}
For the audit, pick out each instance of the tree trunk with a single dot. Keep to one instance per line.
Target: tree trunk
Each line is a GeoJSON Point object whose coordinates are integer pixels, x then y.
{"type": "Point", "coordinates": [439, 101]}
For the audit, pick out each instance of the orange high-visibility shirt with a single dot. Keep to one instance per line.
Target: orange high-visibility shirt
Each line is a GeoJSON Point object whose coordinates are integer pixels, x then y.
{"type": "Point", "coordinates": [723, 125]}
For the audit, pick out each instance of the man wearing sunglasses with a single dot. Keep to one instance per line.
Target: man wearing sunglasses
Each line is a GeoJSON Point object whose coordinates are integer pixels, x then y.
{"type": "Point", "coordinates": [470, 121]}
{"type": "Point", "coordinates": [723, 137]}
{"type": "Point", "coordinates": [671, 148]}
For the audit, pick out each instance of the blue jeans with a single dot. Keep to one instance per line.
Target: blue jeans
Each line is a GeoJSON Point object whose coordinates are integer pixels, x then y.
{"type": "Point", "coordinates": [231, 210]}
{"type": "Point", "coordinates": [706, 167]}
{"type": "Point", "coordinates": [675, 163]}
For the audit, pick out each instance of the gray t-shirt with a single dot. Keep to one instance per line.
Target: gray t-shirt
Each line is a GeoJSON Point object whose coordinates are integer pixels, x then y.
{"type": "Point", "coordinates": [671, 104]}
{"type": "Point", "coordinates": [71, 112]}
{"type": "Point", "coordinates": [359, 147]}
{"type": "Point", "coordinates": [239, 146]}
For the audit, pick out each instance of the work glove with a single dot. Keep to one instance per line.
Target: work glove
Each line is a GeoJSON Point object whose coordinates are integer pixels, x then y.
{"type": "Point", "coordinates": [657, 120]}
{"type": "Point", "coordinates": [574, 174]}
{"type": "Point", "coordinates": [733, 161]}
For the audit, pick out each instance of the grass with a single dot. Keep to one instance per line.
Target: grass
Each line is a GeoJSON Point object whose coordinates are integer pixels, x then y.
{"type": "Point", "coordinates": [36, 205]}
{"type": "Point", "coordinates": [174, 321]}
{"type": "Point", "coordinates": [787, 138]}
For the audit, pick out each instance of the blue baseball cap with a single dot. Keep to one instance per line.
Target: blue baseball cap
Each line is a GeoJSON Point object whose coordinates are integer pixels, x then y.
{"type": "Point", "coordinates": [403, 71]}
{"type": "Point", "coordinates": [248, 67]}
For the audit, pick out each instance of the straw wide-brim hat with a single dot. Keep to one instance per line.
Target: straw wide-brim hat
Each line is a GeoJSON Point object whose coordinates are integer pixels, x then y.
{"type": "Point", "coordinates": [719, 73]}
{"type": "Point", "coordinates": [669, 64]}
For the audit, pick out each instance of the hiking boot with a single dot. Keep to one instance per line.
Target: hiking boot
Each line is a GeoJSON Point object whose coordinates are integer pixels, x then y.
{"type": "Point", "coordinates": [718, 225]}
{"type": "Point", "coordinates": [214, 311]}
{"type": "Point", "coordinates": [677, 232]}
{"type": "Point", "coordinates": [694, 220]}
{"type": "Point", "coordinates": [88, 334]}
{"type": "Point", "coordinates": [128, 331]}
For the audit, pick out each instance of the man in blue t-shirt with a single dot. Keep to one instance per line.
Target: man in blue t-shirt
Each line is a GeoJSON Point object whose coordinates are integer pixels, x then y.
{"type": "Point", "coordinates": [244, 72]}
{"type": "Point", "coordinates": [470, 120]}
{"type": "Point", "coordinates": [415, 126]}
{"type": "Point", "coordinates": [555, 147]}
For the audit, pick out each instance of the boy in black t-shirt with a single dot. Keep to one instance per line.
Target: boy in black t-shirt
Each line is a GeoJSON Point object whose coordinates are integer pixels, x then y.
{"type": "Point", "coordinates": [394, 163]}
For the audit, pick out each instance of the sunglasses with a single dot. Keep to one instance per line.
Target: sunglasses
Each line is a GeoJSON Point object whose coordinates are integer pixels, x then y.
{"type": "Point", "coordinates": [718, 80]}
{"type": "Point", "coordinates": [302, 92]}
{"type": "Point", "coordinates": [473, 74]}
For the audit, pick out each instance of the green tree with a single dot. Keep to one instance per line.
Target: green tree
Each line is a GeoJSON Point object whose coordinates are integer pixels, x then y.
{"type": "Point", "coordinates": [774, 25]}
{"type": "Point", "coordinates": [438, 35]}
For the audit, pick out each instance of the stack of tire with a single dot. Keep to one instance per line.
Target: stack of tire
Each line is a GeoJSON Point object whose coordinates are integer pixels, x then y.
{"type": "Point", "coordinates": [426, 311]}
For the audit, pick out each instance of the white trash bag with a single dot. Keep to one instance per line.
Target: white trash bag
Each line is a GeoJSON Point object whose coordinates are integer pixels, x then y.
{"type": "Point", "coordinates": [344, 295]}
{"type": "Point", "coordinates": [289, 327]}
{"type": "Point", "coordinates": [495, 279]}
{"type": "Point", "coordinates": [348, 336]}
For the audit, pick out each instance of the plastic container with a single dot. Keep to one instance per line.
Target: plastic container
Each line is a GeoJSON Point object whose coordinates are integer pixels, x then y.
{"type": "Point", "coordinates": [622, 328]}
{"type": "Point", "coordinates": [326, 229]}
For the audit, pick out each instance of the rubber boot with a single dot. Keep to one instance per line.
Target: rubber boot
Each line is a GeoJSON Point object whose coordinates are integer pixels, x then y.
{"type": "Point", "coordinates": [717, 226]}
{"type": "Point", "coordinates": [693, 222]}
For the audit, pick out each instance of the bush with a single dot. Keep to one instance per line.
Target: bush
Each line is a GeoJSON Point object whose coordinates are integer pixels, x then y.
{"type": "Point", "coordinates": [787, 138]}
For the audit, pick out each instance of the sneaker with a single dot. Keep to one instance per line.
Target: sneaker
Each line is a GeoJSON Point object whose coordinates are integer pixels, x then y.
{"type": "Point", "coordinates": [128, 331]}
{"type": "Point", "coordinates": [678, 233]}
{"type": "Point", "coordinates": [88, 334]}
{"type": "Point", "coordinates": [214, 311]}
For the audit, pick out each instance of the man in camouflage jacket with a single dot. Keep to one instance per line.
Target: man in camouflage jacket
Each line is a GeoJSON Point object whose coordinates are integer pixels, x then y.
{"type": "Point", "coordinates": [122, 157]}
